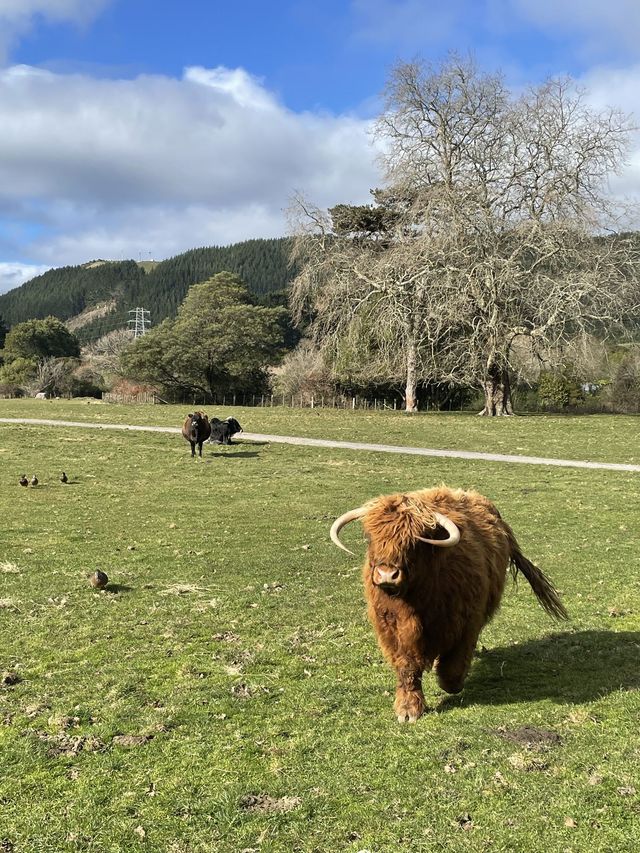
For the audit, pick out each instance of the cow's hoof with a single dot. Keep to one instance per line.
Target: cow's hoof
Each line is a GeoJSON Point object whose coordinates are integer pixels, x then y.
{"type": "Point", "coordinates": [407, 718]}
{"type": "Point", "coordinates": [409, 707]}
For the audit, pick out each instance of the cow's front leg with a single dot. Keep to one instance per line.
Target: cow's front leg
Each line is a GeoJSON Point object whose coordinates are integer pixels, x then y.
{"type": "Point", "coordinates": [409, 703]}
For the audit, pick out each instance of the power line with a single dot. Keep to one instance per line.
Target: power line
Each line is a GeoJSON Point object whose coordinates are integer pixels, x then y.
{"type": "Point", "coordinates": [140, 321]}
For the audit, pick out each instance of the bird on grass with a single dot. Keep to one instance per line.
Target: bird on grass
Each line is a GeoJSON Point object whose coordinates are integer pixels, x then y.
{"type": "Point", "coordinates": [23, 480]}
{"type": "Point", "coordinates": [34, 480]}
{"type": "Point", "coordinates": [98, 580]}
{"type": "Point", "coordinates": [64, 478]}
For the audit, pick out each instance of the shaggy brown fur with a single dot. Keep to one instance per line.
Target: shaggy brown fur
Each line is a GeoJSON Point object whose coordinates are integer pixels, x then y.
{"type": "Point", "coordinates": [196, 429]}
{"type": "Point", "coordinates": [428, 603]}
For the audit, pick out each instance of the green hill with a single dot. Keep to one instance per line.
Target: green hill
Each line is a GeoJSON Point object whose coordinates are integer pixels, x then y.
{"type": "Point", "coordinates": [160, 287]}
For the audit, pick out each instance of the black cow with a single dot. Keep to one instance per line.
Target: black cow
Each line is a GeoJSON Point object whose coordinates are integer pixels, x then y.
{"type": "Point", "coordinates": [221, 431]}
{"type": "Point", "coordinates": [196, 429]}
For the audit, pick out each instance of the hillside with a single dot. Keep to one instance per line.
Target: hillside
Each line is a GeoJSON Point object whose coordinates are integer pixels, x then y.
{"type": "Point", "coordinates": [160, 287]}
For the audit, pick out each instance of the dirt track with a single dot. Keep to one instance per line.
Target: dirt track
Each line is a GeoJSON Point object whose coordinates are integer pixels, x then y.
{"type": "Point", "coordinates": [348, 445]}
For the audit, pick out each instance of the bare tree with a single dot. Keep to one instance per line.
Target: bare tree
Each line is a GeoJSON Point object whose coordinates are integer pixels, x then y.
{"type": "Point", "coordinates": [492, 228]}
{"type": "Point", "coordinates": [103, 355]}
{"type": "Point", "coordinates": [53, 375]}
{"type": "Point", "coordinates": [363, 292]}
{"type": "Point", "coordinates": [303, 373]}
{"type": "Point", "coordinates": [514, 190]}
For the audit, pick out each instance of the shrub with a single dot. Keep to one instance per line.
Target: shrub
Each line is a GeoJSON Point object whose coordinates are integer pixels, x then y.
{"type": "Point", "coordinates": [625, 388]}
{"type": "Point", "coordinates": [559, 391]}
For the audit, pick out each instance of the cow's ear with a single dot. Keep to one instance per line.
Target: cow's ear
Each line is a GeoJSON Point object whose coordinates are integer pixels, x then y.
{"type": "Point", "coordinates": [190, 415]}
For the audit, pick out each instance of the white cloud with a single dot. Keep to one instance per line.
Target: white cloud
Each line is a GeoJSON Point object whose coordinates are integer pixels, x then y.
{"type": "Point", "coordinates": [619, 88]}
{"type": "Point", "coordinates": [113, 168]}
{"type": "Point", "coordinates": [18, 17]}
{"type": "Point", "coordinates": [590, 28]}
{"type": "Point", "coordinates": [14, 274]}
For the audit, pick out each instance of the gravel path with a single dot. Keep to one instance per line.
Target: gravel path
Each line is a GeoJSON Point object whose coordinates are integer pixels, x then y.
{"type": "Point", "coordinates": [348, 445]}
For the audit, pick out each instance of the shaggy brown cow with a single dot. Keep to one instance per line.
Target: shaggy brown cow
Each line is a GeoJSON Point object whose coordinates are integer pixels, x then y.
{"type": "Point", "coordinates": [196, 429]}
{"type": "Point", "coordinates": [433, 576]}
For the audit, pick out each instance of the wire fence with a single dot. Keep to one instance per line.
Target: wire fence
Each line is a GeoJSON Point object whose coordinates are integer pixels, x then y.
{"type": "Point", "coordinates": [522, 404]}
{"type": "Point", "coordinates": [296, 401]}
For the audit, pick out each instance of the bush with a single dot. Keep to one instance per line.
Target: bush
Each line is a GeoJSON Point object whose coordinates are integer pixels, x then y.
{"type": "Point", "coordinates": [558, 391]}
{"type": "Point", "coordinates": [303, 373]}
{"type": "Point", "coordinates": [625, 388]}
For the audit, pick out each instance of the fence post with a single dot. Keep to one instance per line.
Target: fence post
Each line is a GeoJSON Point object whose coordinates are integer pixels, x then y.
{"type": "Point", "coordinates": [312, 401]}
{"type": "Point", "coordinates": [234, 400]}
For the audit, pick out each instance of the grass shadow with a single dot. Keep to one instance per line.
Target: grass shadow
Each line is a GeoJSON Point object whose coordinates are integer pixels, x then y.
{"type": "Point", "coordinates": [566, 668]}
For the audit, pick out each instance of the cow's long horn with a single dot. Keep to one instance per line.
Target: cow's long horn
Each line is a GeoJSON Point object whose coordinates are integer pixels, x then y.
{"type": "Point", "coordinates": [339, 523]}
{"type": "Point", "coordinates": [450, 527]}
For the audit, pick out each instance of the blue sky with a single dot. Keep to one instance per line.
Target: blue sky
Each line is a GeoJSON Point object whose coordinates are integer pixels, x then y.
{"type": "Point", "coordinates": [139, 128]}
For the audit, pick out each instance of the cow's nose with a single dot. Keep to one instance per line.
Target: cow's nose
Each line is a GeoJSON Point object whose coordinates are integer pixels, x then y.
{"type": "Point", "coordinates": [385, 576]}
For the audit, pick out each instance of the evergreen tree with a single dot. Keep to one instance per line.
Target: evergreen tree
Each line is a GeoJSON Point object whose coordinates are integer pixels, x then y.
{"type": "Point", "coordinates": [220, 342]}
{"type": "Point", "coordinates": [39, 339]}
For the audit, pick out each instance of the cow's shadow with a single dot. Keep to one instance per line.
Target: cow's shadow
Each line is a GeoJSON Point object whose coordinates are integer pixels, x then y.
{"type": "Point", "coordinates": [565, 668]}
{"type": "Point", "coordinates": [243, 454]}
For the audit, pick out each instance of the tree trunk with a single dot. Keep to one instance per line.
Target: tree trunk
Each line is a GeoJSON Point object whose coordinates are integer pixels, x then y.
{"type": "Point", "coordinates": [497, 393]}
{"type": "Point", "coordinates": [411, 400]}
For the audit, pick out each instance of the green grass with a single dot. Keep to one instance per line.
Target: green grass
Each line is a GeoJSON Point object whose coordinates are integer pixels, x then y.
{"type": "Point", "coordinates": [601, 438]}
{"type": "Point", "coordinates": [226, 692]}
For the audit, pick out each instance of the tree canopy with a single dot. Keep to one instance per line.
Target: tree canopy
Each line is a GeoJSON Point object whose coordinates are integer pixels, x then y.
{"type": "Point", "coordinates": [38, 339]}
{"type": "Point", "coordinates": [220, 342]}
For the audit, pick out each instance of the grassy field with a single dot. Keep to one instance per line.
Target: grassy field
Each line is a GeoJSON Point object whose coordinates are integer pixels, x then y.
{"type": "Point", "coordinates": [225, 692]}
{"type": "Point", "coordinates": [601, 438]}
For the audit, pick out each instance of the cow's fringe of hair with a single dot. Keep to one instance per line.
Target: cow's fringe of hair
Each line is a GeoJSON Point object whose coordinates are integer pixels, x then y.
{"type": "Point", "coordinates": [400, 521]}
{"type": "Point", "coordinates": [544, 590]}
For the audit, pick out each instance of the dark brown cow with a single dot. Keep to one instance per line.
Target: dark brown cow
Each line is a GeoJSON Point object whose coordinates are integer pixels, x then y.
{"type": "Point", "coordinates": [196, 429]}
{"type": "Point", "coordinates": [433, 576]}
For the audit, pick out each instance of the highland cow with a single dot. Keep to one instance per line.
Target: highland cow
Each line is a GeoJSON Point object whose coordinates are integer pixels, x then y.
{"type": "Point", "coordinates": [222, 431]}
{"type": "Point", "coordinates": [434, 575]}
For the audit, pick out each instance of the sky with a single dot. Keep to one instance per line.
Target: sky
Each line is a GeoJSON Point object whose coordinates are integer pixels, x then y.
{"type": "Point", "coordinates": [141, 129]}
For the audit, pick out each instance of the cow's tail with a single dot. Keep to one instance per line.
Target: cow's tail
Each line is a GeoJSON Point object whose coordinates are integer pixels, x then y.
{"type": "Point", "coordinates": [545, 591]}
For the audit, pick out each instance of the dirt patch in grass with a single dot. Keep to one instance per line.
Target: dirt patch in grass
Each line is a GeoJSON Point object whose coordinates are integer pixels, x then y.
{"type": "Point", "coordinates": [266, 804]}
{"type": "Point", "coordinates": [530, 737]}
{"type": "Point", "coordinates": [63, 744]}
